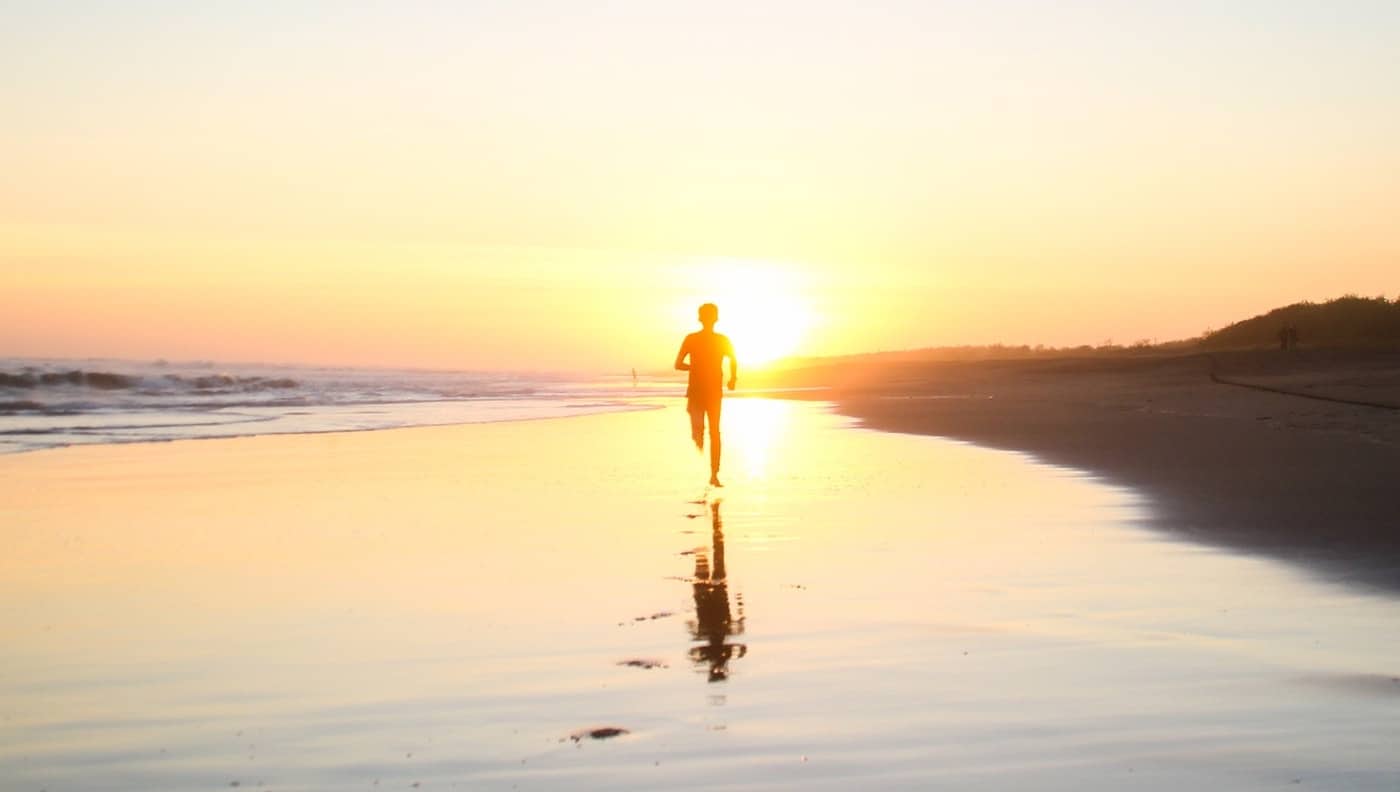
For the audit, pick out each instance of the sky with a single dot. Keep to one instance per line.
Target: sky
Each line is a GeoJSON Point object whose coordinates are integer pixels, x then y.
{"type": "Point", "coordinates": [557, 185]}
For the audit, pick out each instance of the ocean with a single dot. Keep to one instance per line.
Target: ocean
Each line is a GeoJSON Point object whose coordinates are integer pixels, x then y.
{"type": "Point", "coordinates": [53, 403]}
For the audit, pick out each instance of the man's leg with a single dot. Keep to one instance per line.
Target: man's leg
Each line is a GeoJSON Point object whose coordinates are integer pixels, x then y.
{"type": "Point", "coordinates": [713, 410]}
{"type": "Point", "coordinates": [696, 408]}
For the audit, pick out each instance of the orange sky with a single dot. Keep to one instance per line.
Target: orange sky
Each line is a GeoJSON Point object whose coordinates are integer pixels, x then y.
{"type": "Point", "coordinates": [540, 186]}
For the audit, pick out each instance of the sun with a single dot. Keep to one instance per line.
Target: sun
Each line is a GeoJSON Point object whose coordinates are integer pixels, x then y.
{"type": "Point", "coordinates": [762, 329]}
{"type": "Point", "coordinates": [761, 307]}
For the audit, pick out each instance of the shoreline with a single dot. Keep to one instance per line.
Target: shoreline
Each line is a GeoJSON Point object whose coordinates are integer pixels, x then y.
{"type": "Point", "coordinates": [574, 411]}
{"type": "Point", "coordinates": [1251, 452]}
{"type": "Point", "coordinates": [1306, 477]}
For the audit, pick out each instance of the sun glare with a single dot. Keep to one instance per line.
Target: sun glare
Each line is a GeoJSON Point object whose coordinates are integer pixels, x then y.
{"type": "Point", "coordinates": [755, 430]}
{"type": "Point", "coordinates": [761, 307]}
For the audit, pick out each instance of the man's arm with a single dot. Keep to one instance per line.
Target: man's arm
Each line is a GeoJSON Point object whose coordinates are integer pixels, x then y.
{"type": "Point", "coordinates": [733, 366]}
{"type": "Point", "coordinates": [681, 365]}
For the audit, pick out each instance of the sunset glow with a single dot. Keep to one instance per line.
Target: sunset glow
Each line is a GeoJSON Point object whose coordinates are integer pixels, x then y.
{"type": "Point", "coordinates": [495, 186]}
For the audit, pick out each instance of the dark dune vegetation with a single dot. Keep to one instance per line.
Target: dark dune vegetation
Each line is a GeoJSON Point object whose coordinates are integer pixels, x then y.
{"type": "Point", "coordinates": [1346, 321]}
{"type": "Point", "coordinates": [1349, 330]}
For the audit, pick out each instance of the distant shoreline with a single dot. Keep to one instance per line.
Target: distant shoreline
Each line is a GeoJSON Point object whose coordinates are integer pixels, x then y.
{"type": "Point", "coordinates": [1311, 481]}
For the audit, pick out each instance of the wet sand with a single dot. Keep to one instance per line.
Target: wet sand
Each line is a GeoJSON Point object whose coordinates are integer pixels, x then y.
{"type": "Point", "coordinates": [562, 604]}
{"type": "Point", "coordinates": [1268, 456]}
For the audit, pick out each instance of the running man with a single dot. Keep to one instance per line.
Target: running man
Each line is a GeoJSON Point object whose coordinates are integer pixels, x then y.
{"type": "Point", "coordinates": [707, 351]}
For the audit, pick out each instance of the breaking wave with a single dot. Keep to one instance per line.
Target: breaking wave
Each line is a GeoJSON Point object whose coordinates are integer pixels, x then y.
{"type": "Point", "coordinates": [44, 404]}
{"type": "Point", "coordinates": [30, 378]}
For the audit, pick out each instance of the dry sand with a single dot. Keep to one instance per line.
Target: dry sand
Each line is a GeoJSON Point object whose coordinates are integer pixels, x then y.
{"type": "Point", "coordinates": [1298, 475]}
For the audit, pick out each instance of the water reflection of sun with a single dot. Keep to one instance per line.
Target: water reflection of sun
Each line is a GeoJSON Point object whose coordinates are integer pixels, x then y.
{"type": "Point", "coordinates": [761, 307]}
{"type": "Point", "coordinates": [753, 433]}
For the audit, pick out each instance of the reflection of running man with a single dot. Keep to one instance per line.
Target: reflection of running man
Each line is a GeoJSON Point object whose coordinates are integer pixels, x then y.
{"type": "Point", "coordinates": [714, 623]}
{"type": "Point", "coordinates": [707, 351]}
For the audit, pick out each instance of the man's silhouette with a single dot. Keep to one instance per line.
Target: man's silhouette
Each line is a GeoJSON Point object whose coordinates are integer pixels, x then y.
{"type": "Point", "coordinates": [707, 351]}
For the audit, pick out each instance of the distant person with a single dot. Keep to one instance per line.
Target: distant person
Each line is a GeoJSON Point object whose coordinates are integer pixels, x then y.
{"type": "Point", "coordinates": [707, 351]}
{"type": "Point", "coordinates": [1283, 338]}
{"type": "Point", "coordinates": [634, 378]}
{"type": "Point", "coordinates": [1292, 336]}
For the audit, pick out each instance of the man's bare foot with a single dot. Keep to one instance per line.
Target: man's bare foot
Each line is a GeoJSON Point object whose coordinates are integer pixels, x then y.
{"type": "Point", "coordinates": [714, 481]}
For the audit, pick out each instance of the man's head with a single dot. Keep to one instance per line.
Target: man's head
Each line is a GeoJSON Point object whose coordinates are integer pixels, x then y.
{"type": "Point", "coordinates": [709, 314]}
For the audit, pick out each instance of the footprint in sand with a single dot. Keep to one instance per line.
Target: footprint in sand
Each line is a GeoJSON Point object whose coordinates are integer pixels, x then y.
{"type": "Point", "coordinates": [652, 617]}
{"type": "Point", "coordinates": [640, 662]}
{"type": "Point", "coordinates": [600, 733]}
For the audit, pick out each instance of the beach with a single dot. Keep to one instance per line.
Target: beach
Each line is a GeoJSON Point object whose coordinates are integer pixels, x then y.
{"type": "Point", "coordinates": [365, 371]}
{"type": "Point", "coordinates": [1290, 455]}
{"type": "Point", "coordinates": [562, 603]}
